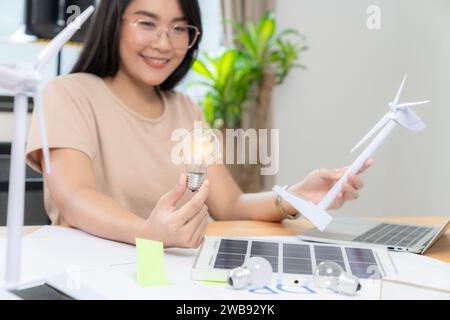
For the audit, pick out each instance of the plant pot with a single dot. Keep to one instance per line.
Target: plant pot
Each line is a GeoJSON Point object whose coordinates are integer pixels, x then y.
{"type": "Point", "coordinates": [247, 176]}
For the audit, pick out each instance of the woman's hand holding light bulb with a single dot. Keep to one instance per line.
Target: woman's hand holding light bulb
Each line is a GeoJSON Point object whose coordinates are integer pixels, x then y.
{"type": "Point", "coordinates": [181, 228]}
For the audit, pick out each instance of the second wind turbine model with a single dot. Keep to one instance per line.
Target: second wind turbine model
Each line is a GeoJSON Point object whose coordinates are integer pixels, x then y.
{"type": "Point", "coordinates": [24, 79]}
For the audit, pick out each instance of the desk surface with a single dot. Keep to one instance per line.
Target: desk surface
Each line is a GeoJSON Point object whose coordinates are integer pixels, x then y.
{"type": "Point", "coordinates": [440, 250]}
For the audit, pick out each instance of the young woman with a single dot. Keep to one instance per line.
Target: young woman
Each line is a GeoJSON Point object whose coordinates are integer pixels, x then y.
{"type": "Point", "coordinates": [110, 123]}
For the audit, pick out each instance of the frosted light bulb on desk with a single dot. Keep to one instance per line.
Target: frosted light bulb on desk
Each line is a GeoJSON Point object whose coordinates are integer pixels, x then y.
{"type": "Point", "coordinates": [200, 150]}
{"type": "Point", "coordinates": [254, 274]}
{"type": "Point", "coordinates": [330, 275]}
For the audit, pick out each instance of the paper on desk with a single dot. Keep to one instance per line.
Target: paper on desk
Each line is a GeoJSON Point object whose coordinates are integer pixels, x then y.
{"type": "Point", "coordinates": [150, 263]}
{"type": "Point", "coordinates": [119, 282]}
{"type": "Point", "coordinates": [54, 250]}
{"type": "Point", "coordinates": [421, 271]}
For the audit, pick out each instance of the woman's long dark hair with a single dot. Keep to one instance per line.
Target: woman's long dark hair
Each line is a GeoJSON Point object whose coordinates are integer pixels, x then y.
{"type": "Point", "coordinates": [101, 53]}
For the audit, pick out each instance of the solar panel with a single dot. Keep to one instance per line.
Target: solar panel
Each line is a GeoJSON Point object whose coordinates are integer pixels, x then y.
{"type": "Point", "coordinates": [296, 259]}
{"type": "Point", "coordinates": [266, 250]}
{"type": "Point", "coordinates": [291, 258]}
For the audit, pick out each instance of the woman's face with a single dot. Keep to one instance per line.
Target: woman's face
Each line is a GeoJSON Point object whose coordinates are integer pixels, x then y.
{"type": "Point", "coordinates": [145, 58]}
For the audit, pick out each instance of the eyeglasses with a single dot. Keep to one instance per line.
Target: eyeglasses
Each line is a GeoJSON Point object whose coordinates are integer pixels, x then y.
{"type": "Point", "coordinates": [181, 37]}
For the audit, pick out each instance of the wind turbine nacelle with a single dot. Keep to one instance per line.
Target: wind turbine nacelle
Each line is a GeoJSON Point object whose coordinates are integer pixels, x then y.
{"type": "Point", "coordinates": [410, 120]}
{"type": "Point", "coordinates": [25, 78]}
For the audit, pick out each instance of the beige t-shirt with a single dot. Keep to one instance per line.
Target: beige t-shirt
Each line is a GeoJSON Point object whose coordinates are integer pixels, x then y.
{"type": "Point", "coordinates": [130, 154]}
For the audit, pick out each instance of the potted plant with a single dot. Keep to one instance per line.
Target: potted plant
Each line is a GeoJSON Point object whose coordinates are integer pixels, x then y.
{"type": "Point", "coordinates": [241, 79]}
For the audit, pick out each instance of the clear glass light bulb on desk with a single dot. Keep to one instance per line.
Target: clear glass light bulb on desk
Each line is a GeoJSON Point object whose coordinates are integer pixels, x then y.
{"type": "Point", "coordinates": [254, 274]}
{"type": "Point", "coordinates": [330, 275]}
{"type": "Point", "coordinates": [201, 149]}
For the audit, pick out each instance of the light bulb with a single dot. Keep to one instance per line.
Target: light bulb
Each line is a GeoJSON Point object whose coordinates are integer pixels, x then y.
{"type": "Point", "coordinates": [256, 273]}
{"type": "Point", "coordinates": [200, 151]}
{"type": "Point", "coordinates": [330, 275]}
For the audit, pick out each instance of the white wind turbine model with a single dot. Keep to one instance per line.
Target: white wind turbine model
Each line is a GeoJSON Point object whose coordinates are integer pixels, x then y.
{"type": "Point", "coordinates": [399, 114]}
{"type": "Point", "coordinates": [24, 80]}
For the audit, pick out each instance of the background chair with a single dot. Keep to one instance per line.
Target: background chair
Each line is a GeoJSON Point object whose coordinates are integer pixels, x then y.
{"type": "Point", "coordinates": [34, 201]}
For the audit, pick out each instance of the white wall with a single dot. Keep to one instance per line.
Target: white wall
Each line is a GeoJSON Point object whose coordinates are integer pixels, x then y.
{"type": "Point", "coordinates": [352, 74]}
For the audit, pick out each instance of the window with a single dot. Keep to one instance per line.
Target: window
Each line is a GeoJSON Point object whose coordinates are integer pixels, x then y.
{"type": "Point", "coordinates": [212, 21]}
{"type": "Point", "coordinates": [212, 40]}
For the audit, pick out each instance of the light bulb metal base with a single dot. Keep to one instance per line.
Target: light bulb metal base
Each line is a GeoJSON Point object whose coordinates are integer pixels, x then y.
{"type": "Point", "coordinates": [195, 181]}
{"type": "Point", "coordinates": [348, 284]}
{"type": "Point", "coordinates": [239, 278]}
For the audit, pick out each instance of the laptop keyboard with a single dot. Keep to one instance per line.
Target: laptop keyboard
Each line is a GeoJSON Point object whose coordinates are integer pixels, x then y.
{"type": "Point", "coordinates": [394, 235]}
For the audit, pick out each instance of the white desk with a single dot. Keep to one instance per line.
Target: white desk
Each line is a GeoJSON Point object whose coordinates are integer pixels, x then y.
{"type": "Point", "coordinates": [119, 281]}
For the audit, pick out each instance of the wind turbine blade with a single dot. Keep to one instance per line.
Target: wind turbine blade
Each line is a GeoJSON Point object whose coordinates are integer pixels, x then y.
{"type": "Point", "coordinates": [62, 38]}
{"type": "Point", "coordinates": [399, 93]}
{"type": "Point", "coordinates": [317, 216]}
{"type": "Point", "coordinates": [374, 130]}
{"type": "Point", "coordinates": [42, 129]}
{"type": "Point", "coordinates": [410, 120]}
{"type": "Point", "coordinates": [9, 78]}
{"type": "Point", "coordinates": [412, 104]}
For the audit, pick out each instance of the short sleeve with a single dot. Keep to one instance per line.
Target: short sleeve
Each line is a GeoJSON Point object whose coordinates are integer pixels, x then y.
{"type": "Point", "coordinates": [69, 122]}
{"type": "Point", "coordinates": [198, 112]}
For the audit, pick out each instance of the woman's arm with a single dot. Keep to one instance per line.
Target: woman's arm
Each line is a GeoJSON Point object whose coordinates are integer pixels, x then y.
{"type": "Point", "coordinates": [72, 186]}
{"type": "Point", "coordinates": [227, 202]}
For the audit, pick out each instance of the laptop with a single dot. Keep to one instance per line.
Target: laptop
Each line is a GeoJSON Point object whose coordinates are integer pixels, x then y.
{"type": "Point", "coordinates": [394, 237]}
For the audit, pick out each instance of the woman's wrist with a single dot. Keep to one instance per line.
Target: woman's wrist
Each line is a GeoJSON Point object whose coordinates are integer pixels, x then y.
{"type": "Point", "coordinates": [137, 229]}
{"type": "Point", "coordinates": [285, 208]}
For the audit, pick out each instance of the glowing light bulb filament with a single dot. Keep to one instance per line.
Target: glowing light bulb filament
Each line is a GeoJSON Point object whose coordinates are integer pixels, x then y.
{"type": "Point", "coordinates": [200, 150]}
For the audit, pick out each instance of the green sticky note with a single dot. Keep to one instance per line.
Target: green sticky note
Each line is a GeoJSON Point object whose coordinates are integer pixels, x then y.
{"type": "Point", "coordinates": [150, 263]}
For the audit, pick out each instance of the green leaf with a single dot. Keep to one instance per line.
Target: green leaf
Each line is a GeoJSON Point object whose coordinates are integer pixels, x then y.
{"type": "Point", "coordinates": [208, 109]}
{"type": "Point", "coordinates": [225, 66]}
{"type": "Point", "coordinates": [201, 69]}
{"type": "Point", "coordinates": [232, 78]}
{"type": "Point", "coordinates": [266, 31]}
{"type": "Point", "coordinates": [246, 41]}
{"type": "Point", "coordinates": [206, 84]}
{"type": "Point", "coordinates": [238, 27]}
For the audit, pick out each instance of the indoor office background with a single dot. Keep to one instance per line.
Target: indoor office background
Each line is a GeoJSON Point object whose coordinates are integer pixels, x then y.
{"type": "Point", "coordinates": [323, 111]}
